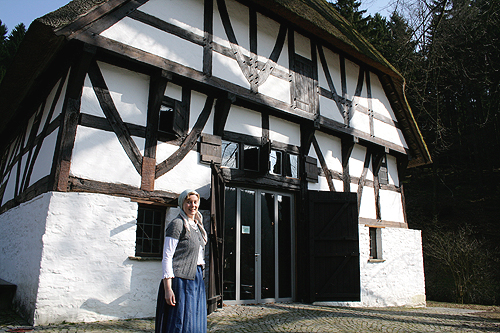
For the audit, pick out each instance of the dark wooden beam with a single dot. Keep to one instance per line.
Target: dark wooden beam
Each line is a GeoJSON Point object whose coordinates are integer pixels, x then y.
{"type": "Point", "coordinates": [208, 27]}
{"type": "Point", "coordinates": [69, 119]}
{"type": "Point", "coordinates": [222, 107]}
{"type": "Point", "coordinates": [167, 27]}
{"type": "Point", "coordinates": [157, 86]}
{"type": "Point", "coordinates": [92, 186]}
{"type": "Point", "coordinates": [93, 22]}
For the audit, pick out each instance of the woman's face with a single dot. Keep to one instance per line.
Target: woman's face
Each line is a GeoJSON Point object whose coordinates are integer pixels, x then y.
{"type": "Point", "coordinates": [190, 206]}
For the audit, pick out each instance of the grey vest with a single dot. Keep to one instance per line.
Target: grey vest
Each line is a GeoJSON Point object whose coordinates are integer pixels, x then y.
{"type": "Point", "coordinates": [186, 253]}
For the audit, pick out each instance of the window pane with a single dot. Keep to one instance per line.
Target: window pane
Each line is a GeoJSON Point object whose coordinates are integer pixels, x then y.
{"type": "Point", "coordinates": [275, 159]}
{"type": "Point", "coordinates": [251, 158]}
{"type": "Point", "coordinates": [292, 166]}
{"type": "Point", "coordinates": [284, 246]}
{"type": "Point", "coordinates": [230, 244]}
{"type": "Point", "coordinates": [149, 234]}
{"type": "Point", "coordinates": [373, 243]}
{"type": "Point", "coordinates": [247, 269]}
{"type": "Point", "coordinates": [230, 154]}
{"type": "Point", "coordinates": [267, 246]}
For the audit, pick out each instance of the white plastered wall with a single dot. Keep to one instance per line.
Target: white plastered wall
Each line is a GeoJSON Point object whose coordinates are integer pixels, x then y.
{"type": "Point", "coordinates": [267, 33]}
{"type": "Point", "coordinates": [97, 154]}
{"type": "Point", "coordinates": [244, 121]}
{"type": "Point", "coordinates": [85, 270]}
{"type": "Point", "coordinates": [157, 42]}
{"type": "Point", "coordinates": [186, 14]}
{"type": "Point", "coordinates": [284, 131]}
{"type": "Point", "coordinates": [21, 250]}
{"type": "Point", "coordinates": [188, 173]}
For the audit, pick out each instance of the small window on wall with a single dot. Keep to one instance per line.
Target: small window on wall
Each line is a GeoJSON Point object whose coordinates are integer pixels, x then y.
{"type": "Point", "coordinates": [149, 234]}
{"type": "Point", "coordinates": [173, 118]}
{"type": "Point", "coordinates": [383, 175]}
{"type": "Point", "coordinates": [375, 245]}
{"type": "Point", "coordinates": [240, 156]}
{"type": "Point", "coordinates": [251, 158]}
{"type": "Point", "coordinates": [283, 164]}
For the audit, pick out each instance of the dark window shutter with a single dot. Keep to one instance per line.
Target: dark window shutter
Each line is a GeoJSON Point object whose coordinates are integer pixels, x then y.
{"type": "Point", "coordinates": [304, 84]}
{"type": "Point", "coordinates": [210, 149]}
{"type": "Point", "coordinates": [180, 121]}
{"type": "Point", "coordinates": [312, 171]}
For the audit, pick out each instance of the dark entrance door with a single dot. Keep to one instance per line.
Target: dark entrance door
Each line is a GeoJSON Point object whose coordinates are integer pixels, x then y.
{"type": "Point", "coordinates": [333, 247]}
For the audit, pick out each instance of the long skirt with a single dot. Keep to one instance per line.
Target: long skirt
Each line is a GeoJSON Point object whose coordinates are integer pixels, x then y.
{"type": "Point", "coordinates": [189, 315]}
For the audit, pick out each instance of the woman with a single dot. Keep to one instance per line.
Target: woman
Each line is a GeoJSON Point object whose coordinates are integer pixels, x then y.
{"type": "Point", "coordinates": [181, 305]}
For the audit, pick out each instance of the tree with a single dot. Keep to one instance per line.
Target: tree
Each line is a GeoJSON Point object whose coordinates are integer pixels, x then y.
{"type": "Point", "coordinates": [349, 9]}
{"type": "Point", "coordinates": [9, 45]}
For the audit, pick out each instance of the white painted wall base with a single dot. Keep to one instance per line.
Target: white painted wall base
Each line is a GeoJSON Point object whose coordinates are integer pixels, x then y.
{"type": "Point", "coordinates": [399, 279]}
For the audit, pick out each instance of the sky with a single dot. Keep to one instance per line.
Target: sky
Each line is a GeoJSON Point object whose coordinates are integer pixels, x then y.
{"type": "Point", "coordinates": [13, 12]}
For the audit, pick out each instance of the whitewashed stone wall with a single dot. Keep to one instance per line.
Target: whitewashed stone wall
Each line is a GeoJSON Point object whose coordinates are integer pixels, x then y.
{"type": "Point", "coordinates": [21, 250]}
{"type": "Point", "coordinates": [396, 281]}
{"type": "Point", "coordinates": [69, 255]}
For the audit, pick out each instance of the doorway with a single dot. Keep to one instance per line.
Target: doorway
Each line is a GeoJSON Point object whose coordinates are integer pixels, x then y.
{"type": "Point", "coordinates": [259, 246]}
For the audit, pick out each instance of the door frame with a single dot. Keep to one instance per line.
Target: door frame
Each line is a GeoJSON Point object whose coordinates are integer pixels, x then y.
{"type": "Point", "coordinates": [258, 246]}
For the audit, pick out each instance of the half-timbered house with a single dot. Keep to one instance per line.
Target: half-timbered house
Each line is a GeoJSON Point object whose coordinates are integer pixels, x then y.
{"type": "Point", "coordinates": [294, 130]}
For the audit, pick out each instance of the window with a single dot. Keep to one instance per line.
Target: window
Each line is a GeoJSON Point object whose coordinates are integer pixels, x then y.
{"type": "Point", "coordinates": [375, 244]}
{"type": "Point", "coordinates": [283, 164]}
{"type": "Point", "coordinates": [383, 175]}
{"type": "Point", "coordinates": [251, 158]}
{"type": "Point", "coordinates": [173, 118]}
{"type": "Point", "coordinates": [149, 234]}
{"type": "Point", "coordinates": [240, 156]}
{"type": "Point", "coordinates": [259, 159]}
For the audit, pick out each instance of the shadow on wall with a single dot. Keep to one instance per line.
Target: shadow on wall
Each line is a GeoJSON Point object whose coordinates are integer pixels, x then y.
{"type": "Point", "coordinates": [140, 300]}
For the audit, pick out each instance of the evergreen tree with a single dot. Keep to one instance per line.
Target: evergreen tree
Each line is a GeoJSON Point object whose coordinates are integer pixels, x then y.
{"type": "Point", "coordinates": [9, 45]}
{"type": "Point", "coordinates": [349, 9]}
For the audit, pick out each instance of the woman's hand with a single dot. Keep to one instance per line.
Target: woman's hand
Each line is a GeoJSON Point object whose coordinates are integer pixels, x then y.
{"type": "Point", "coordinates": [169, 293]}
{"type": "Point", "coordinates": [170, 297]}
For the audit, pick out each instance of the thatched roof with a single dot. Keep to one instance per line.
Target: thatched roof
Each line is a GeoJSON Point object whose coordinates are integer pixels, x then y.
{"type": "Point", "coordinates": [316, 17]}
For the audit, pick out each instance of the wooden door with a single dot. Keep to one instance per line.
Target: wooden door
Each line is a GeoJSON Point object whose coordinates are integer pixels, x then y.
{"type": "Point", "coordinates": [214, 293]}
{"type": "Point", "coordinates": [333, 247]}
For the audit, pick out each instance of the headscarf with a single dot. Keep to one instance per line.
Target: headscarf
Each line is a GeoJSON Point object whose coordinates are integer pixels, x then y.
{"type": "Point", "coordinates": [198, 219]}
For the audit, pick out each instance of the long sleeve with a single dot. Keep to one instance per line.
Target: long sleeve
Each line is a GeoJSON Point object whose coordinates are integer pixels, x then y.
{"type": "Point", "coordinates": [169, 247]}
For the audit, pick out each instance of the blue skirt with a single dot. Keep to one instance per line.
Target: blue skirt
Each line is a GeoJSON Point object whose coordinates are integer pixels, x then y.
{"type": "Point", "coordinates": [189, 315]}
